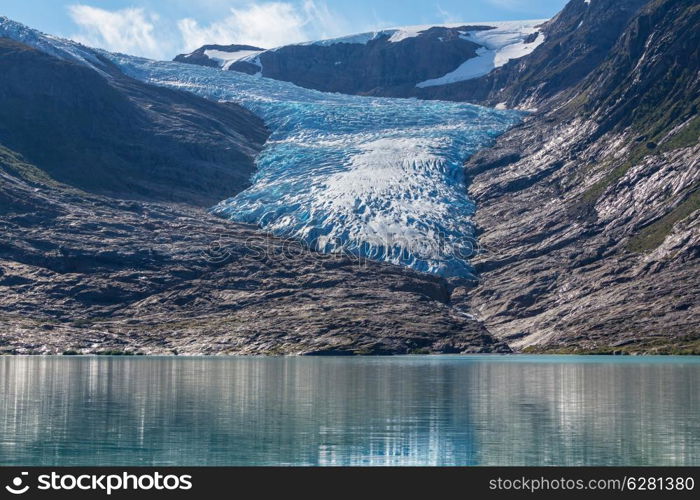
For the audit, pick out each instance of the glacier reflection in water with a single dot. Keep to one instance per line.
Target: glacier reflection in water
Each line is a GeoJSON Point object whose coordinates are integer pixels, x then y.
{"type": "Point", "coordinates": [443, 410]}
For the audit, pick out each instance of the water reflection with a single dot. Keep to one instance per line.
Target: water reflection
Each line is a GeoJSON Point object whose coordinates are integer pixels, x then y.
{"type": "Point", "coordinates": [338, 411]}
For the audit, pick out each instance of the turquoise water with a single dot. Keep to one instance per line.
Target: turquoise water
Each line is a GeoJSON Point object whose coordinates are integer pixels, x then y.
{"type": "Point", "coordinates": [434, 410]}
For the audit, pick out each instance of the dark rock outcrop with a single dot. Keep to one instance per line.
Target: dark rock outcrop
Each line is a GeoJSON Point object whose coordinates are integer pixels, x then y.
{"type": "Point", "coordinates": [114, 135]}
{"type": "Point", "coordinates": [379, 67]}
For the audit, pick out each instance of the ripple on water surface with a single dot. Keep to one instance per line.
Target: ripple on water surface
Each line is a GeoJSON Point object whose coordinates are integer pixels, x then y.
{"type": "Point", "coordinates": [430, 410]}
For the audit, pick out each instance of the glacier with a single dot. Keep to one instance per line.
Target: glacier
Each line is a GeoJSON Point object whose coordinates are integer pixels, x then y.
{"type": "Point", "coordinates": [376, 178]}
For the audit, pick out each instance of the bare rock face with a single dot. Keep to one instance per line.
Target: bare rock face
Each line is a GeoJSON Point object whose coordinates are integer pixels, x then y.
{"type": "Point", "coordinates": [589, 211]}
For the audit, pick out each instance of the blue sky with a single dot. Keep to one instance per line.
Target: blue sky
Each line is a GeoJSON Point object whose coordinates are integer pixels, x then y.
{"type": "Point", "coordinates": [162, 28]}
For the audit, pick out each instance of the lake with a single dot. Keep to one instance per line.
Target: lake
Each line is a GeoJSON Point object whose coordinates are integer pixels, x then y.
{"type": "Point", "coordinates": [413, 410]}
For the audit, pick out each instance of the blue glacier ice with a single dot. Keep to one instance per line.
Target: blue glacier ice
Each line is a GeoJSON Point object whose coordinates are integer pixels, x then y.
{"type": "Point", "coordinates": [373, 177]}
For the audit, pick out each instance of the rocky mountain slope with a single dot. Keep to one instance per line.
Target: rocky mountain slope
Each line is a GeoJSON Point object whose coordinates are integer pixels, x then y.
{"type": "Point", "coordinates": [109, 134]}
{"type": "Point", "coordinates": [576, 41]}
{"type": "Point", "coordinates": [96, 256]}
{"type": "Point", "coordinates": [589, 211]}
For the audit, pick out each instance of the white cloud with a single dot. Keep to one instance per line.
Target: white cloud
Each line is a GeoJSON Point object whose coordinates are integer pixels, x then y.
{"type": "Point", "coordinates": [321, 22]}
{"type": "Point", "coordinates": [265, 25]}
{"type": "Point", "coordinates": [446, 16]}
{"type": "Point", "coordinates": [142, 32]}
{"type": "Point", "coordinates": [128, 30]}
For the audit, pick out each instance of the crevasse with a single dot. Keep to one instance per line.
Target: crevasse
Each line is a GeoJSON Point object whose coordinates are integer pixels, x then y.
{"type": "Point", "coordinates": [374, 177]}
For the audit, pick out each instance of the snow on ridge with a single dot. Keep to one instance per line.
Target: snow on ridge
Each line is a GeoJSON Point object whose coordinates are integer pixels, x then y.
{"type": "Point", "coordinates": [395, 34]}
{"type": "Point", "coordinates": [398, 34]}
{"type": "Point", "coordinates": [359, 38]}
{"type": "Point", "coordinates": [226, 58]}
{"type": "Point", "coordinates": [508, 40]}
{"type": "Point", "coordinates": [405, 32]}
{"type": "Point", "coordinates": [50, 44]}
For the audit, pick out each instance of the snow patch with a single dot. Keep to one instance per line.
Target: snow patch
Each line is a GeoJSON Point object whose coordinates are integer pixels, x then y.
{"type": "Point", "coordinates": [401, 34]}
{"type": "Point", "coordinates": [506, 41]}
{"type": "Point", "coordinates": [226, 59]}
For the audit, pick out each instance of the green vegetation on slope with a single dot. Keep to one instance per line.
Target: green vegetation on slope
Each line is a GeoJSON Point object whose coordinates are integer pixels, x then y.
{"type": "Point", "coordinates": [651, 236]}
{"type": "Point", "coordinates": [648, 90]}
{"type": "Point", "coordinates": [14, 164]}
{"type": "Point", "coordinates": [686, 345]}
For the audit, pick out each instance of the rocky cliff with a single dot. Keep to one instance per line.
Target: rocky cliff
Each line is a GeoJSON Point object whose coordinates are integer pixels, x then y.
{"type": "Point", "coordinates": [576, 41]}
{"type": "Point", "coordinates": [589, 211]}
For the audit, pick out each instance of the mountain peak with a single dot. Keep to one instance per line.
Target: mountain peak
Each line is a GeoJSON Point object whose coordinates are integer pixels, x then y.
{"type": "Point", "coordinates": [390, 62]}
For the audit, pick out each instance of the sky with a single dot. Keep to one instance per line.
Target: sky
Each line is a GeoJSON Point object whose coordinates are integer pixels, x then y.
{"type": "Point", "coordinates": [161, 29]}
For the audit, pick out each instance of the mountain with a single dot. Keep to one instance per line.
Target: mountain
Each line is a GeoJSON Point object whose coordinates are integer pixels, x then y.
{"type": "Point", "coordinates": [394, 62]}
{"type": "Point", "coordinates": [575, 42]}
{"type": "Point", "coordinates": [379, 178]}
{"type": "Point", "coordinates": [586, 210]}
{"type": "Point", "coordinates": [84, 273]}
{"type": "Point", "coordinates": [508, 63]}
{"type": "Point", "coordinates": [107, 247]}
{"type": "Point", "coordinates": [589, 210]}
{"type": "Point", "coordinates": [110, 134]}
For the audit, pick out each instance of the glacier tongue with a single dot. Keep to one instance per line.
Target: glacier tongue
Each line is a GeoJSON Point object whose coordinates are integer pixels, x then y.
{"type": "Point", "coordinates": [375, 177]}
